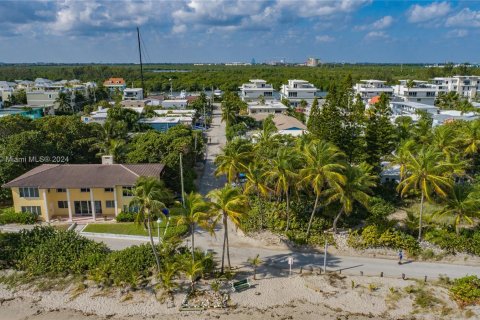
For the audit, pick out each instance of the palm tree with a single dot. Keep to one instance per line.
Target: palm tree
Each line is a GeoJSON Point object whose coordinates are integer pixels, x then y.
{"type": "Point", "coordinates": [426, 172]}
{"type": "Point", "coordinates": [470, 137]}
{"type": "Point", "coordinates": [323, 168]}
{"type": "Point", "coordinates": [461, 206]}
{"type": "Point", "coordinates": [196, 212]}
{"type": "Point", "coordinates": [255, 184]}
{"type": "Point", "coordinates": [192, 269]}
{"type": "Point", "coordinates": [357, 187]}
{"type": "Point", "coordinates": [113, 147]}
{"type": "Point", "coordinates": [233, 158]}
{"type": "Point", "coordinates": [146, 199]}
{"type": "Point", "coordinates": [232, 204]}
{"type": "Point", "coordinates": [444, 140]}
{"type": "Point", "coordinates": [255, 262]}
{"type": "Point", "coordinates": [168, 273]}
{"type": "Point", "coordinates": [283, 175]}
{"type": "Point", "coordinates": [64, 103]}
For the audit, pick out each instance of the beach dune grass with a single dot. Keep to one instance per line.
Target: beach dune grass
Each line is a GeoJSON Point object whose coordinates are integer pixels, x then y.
{"type": "Point", "coordinates": [133, 229]}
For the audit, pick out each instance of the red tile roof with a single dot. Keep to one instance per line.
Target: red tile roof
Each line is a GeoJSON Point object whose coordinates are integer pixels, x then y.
{"type": "Point", "coordinates": [114, 81]}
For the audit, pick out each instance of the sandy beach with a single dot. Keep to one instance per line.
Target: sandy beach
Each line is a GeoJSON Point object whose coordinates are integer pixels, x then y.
{"type": "Point", "coordinates": [297, 297]}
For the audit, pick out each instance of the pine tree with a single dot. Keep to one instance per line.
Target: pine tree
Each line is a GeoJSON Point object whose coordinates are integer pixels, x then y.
{"type": "Point", "coordinates": [313, 117]}
{"type": "Point", "coordinates": [328, 124]}
{"type": "Point", "coordinates": [379, 133]}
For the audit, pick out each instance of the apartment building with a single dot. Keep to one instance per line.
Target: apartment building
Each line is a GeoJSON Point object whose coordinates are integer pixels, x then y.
{"type": "Point", "coordinates": [114, 84]}
{"type": "Point", "coordinates": [133, 94]}
{"type": "Point", "coordinates": [255, 89]}
{"type": "Point", "coordinates": [297, 90]}
{"type": "Point", "coordinates": [415, 91]}
{"type": "Point", "coordinates": [368, 89]}
{"type": "Point", "coordinates": [466, 86]}
{"type": "Point", "coordinates": [66, 191]}
{"type": "Point", "coordinates": [267, 107]}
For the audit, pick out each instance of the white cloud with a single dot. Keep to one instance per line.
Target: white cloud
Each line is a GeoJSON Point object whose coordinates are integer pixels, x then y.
{"type": "Point", "coordinates": [324, 38]}
{"type": "Point", "coordinates": [376, 35]}
{"type": "Point", "coordinates": [457, 33]}
{"type": "Point", "coordinates": [315, 8]}
{"type": "Point", "coordinates": [418, 13]}
{"type": "Point", "coordinates": [465, 18]}
{"type": "Point", "coordinates": [382, 23]}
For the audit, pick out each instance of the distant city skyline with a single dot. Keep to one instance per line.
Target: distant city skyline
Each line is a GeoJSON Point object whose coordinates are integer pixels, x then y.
{"type": "Point", "coordinates": [215, 31]}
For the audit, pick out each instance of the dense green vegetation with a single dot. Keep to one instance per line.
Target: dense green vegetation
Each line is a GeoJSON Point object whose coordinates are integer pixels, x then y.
{"type": "Point", "coordinates": [10, 216]}
{"type": "Point", "coordinates": [229, 77]}
{"type": "Point", "coordinates": [47, 252]}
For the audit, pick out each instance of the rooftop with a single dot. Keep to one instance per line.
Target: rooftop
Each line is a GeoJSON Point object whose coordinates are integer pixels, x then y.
{"type": "Point", "coordinates": [85, 175]}
{"type": "Point", "coordinates": [282, 122]}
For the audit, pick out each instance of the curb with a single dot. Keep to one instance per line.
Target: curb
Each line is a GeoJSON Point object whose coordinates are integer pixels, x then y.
{"type": "Point", "coordinates": [116, 236]}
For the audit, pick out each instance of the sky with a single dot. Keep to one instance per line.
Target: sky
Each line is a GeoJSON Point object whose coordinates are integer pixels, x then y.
{"type": "Point", "coordinates": [195, 31]}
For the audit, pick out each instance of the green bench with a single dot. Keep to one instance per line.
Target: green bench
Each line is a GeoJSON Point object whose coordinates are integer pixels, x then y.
{"type": "Point", "coordinates": [240, 285]}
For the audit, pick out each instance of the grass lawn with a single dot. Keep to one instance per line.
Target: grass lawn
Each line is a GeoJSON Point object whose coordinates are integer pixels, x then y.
{"type": "Point", "coordinates": [130, 228]}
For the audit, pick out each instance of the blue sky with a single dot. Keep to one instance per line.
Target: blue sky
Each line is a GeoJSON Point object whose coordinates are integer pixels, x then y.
{"type": "Point", "coordinates": [239, 30]}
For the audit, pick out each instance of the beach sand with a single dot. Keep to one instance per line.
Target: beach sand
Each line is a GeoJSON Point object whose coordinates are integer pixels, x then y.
{"type": "Point", "coordinates": [299, 297]}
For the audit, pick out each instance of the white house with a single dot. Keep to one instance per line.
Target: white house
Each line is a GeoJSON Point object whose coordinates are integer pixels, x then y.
{"type": "Point", "coordinates": [465, 86]}
{"type": "Point", "coordinates": [267, 107]}
{"type": "Point", "coordinates": [445, 116]}
{"type": "Point", "coordinates": [406, 108]}
{"type": "Point", "coordinates": [298, 90]}
{"type": "Point", "coordinates": [368, 89]}
{"type": "Point", "coordinates": [421, 92]}
{"type": "Point", "coordinates": [175, 104]}
{"type": "Point", "coordinates": [286, 125]}
{"type": "Point", "coordinates": [133, 94]}
{"type": "Point", "coordinates": [255, 89]}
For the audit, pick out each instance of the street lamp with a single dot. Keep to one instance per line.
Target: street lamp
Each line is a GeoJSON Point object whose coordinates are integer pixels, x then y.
{"type": "Point", "coordinates": [159, 221]}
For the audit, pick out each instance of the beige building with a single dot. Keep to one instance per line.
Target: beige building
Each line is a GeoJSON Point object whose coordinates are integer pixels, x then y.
{"type": "Point", "coordinates": [66, 191]}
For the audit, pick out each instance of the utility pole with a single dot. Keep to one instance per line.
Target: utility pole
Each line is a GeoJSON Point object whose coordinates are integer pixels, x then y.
{"type": "Point", "coordinates": [181, 179]}
{"type": "Point", "coordinates": [325, 257]}
{"type": "Point", "coordinates": [141, 63]}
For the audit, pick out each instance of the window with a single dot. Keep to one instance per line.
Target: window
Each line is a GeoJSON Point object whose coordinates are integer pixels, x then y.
{"type": "Point", "coordinates": [29, 192]}
{"type": "Point", "coordinates": [110, 204]}
{"type": "Point", "coordinates": [430, 94]}
{"type": "Point", "coordinates": [32, 209]}
{"type": "Point", "coordinates": [108, 189]}
{"type": "Point", "coordinates": [49, 96]}
{"type": "Point", "coordinates": [412, 94]}
{"type": "Point", "coordinates": [268, 94]}
{"type": "Point", "coordinates": [127, 191]}
{"type": "Point", "coordinates": [133, 209]}
{"type": "Point", "coordinates": [61, 190]}
{"type": "Point", "coordinates": [63, 204]}
{"type": "Point", "coordinates": [292, 94]}
{"type": "Point", "coordinates": [85, 190]}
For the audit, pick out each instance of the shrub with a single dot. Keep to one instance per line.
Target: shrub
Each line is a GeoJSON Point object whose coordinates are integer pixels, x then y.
{"type": "Point", "coordinates": [466, 290]}
{"type": "Point", "coordinates": [372, 237]}
{"type": "Point", "coordinates": [10, 216]}
{"type": "Point", "coordinates": [125, 217]}
{"type": "Point", "coordinates": [130, 266]}
{"type": "Point", "coordinates": [468, 242]}
{"type": "Point", "coordinates": [47, 251]}
{"type": "Point", "coordinates": [63, 253]}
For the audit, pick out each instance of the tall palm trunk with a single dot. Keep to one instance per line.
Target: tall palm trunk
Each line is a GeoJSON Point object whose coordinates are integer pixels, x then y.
{"type": "Point", "coordinates": [224, 243]}
{"type": "Point", "coordinates": [288, 211]}
{"type": "Point", "coordinates": [149, 228]}
{"type": "Point", "coordinates": [335, 221]}
{"type": "Point", "coordinates": [420, 218]}
{"type": "Point", "coordinates": [228, 244]}
{"type": "Point", "coordinates": [311, 216]}
{"type": "Point", "coordinates": [192, 227]}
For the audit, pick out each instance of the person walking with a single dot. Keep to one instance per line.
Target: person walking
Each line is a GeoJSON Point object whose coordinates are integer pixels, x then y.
{"type": "Point", "coordinates": [400, 256]}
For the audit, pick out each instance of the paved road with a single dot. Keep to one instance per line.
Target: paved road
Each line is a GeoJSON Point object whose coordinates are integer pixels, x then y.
{"type": "Point", "coordinates": [216, 134]}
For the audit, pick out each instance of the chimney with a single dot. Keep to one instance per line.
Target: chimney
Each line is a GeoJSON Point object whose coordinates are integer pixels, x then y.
{"type": "Point", "coordinates": [107, 159]}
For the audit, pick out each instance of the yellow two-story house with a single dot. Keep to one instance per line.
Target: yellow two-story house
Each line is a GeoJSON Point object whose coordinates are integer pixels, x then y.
{"type": "Point", "coordinates": [66, 191]}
